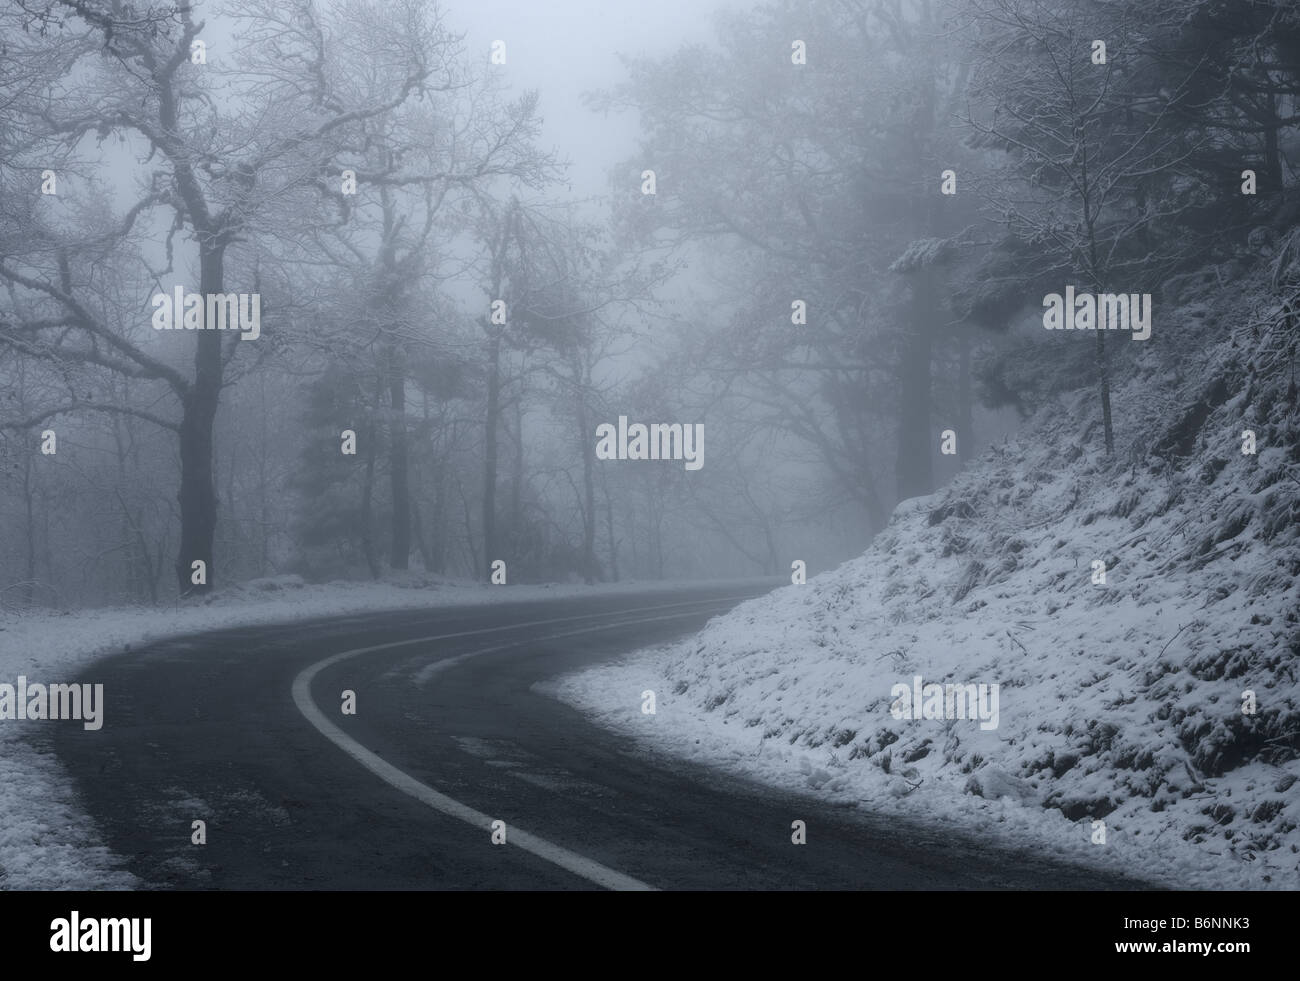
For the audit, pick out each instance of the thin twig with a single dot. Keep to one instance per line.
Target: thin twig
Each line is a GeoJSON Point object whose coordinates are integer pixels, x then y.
{"type": "Point", "coordinates": [1172, 639]}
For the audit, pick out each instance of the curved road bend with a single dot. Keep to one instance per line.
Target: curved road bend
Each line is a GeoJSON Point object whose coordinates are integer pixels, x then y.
{"type": "Point", "coordinates": [448, 736]}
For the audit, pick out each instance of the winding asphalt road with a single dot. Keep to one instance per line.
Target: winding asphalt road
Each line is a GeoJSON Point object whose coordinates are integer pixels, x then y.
{"type": "Point", "coordinates": [243, 729]}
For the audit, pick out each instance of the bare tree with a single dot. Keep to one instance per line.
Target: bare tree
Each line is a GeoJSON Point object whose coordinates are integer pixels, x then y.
{"type": "Point", "coordinates": [231, 151]}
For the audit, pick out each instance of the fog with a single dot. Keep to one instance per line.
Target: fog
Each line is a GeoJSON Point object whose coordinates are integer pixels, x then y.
{"type": "Point", "coordinates": [573, 291]}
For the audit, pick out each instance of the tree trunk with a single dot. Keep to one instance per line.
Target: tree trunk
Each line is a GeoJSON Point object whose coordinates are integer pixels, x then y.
{"type": "Point", "coordinates": [29, 589]}
{"type": "Point", "coordinates": [588, 494]}
{"type": "Point", "coordinates": [965, 399]}
{"type": "Point", "coordinates": [914, 472]}
{"type": "Point", "coordinates": [237, 536]}
{"type": "Point", "coordinates": [609, 530]}
{"type": "Point", "coordinates": [399, 556]}
{"type": "Point", "coordinates": [490, 457]}
{"type": "Point", "coordinates": [474, 561]}
{"type": "Point", "coordinates": [438, 522]}
{"type": "Point", "coordinates": [630, 525]}
{"type": "Point", "coordinates": [1104, 376]}
{"type": "Point", "coordinates": [421, 543]}
{"type": "Point", "coordinates": [517, 479]}
{"type": "Point", "coordinates": [264, 545]}
{"type": "Point", "coordinates": [915, 469]}
{"type": "Point", "coordinates": [655, 518]}
{"type": "Point", "coordinates": [198, 496]}
{"type": "Point", "coordinates": [367, 519]}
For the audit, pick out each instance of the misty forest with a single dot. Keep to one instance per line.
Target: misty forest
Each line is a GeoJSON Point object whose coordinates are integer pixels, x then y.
{"type": "Point", "coordinates": [826, 251]}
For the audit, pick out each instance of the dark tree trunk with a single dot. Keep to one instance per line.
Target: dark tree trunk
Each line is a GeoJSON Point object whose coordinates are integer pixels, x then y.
{"type": "Point", "coordinates": [29, 589]}
{"type": "Point", "coordinates": [589, 497]}
{"type": "Point", "coordinates": [1103, 373]}
{"type": "Point", "coordinates": [915, 469]}
{"type": "Point", "coordinates": [434, 531]}
{"type": "Point", "coordinates": [264, 545]}
{"type": "Point", "coordinates": [367, 519]}
{"type": "Point", "coordinates": [437, 522]}
{"type": "Point", "coordinates": [421, 542]}
{"type": "Point", "coordinates": [490, 456]}
{"type": "Point", "coordinates": [517, 479]}
{"type": "Point", "coordinates": [609, 531]}
{"type": "Point", "coordinates": [198, 496]}
{"type": "Point", "coordinates": [474, 560]}
{"type": "Point", "coordinates": [399, 556]}
{"type": "Point", "coordinates": [965, 399]}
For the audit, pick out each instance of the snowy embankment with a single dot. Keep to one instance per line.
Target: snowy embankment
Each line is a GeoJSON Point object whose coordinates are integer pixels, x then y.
{"type": "Point", "coordinates": [1118, 702]}
{"type": "Point", "coordinates": [46, 840]}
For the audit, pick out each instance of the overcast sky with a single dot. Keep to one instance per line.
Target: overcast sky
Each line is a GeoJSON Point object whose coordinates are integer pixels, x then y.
{"type": "Point", "coordinates": [566, 47]}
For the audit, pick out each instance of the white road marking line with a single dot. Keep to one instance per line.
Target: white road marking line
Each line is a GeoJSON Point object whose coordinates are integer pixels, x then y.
{"type": "Point", "coordinates": [426, 672]}
{"type": "Point", "coordinates": [586, 868]}
{"type": "Point", "coordinates": [435, 667]}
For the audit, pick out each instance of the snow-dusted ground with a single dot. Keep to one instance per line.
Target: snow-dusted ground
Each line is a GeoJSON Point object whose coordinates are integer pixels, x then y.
{"type": "Point", "coordinates": [46, 840]}
{"type": "Point", "coordinates": [1119, 702]}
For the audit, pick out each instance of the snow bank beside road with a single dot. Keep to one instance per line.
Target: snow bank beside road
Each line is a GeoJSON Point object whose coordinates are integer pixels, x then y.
{"type": "Point", "coordinates": [1119, 702]}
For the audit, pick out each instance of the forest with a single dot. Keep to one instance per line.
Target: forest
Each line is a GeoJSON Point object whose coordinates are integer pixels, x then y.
{"type": "Point", "coordinates": [827, 254]}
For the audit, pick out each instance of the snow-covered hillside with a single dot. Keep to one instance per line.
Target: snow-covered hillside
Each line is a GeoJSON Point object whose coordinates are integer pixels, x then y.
{"type": "Point", "coordinates": [1120, 702]}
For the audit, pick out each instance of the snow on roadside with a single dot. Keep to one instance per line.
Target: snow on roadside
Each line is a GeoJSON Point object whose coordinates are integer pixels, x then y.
{"type": "Point", "coordinates": [1119, 702]}
{"type": "Point", "coordinates": [46, 840]}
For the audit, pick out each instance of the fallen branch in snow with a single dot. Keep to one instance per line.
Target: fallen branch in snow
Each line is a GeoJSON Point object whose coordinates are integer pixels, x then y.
{"type": "Point", "coordinates": [1018, 644]}
{"type": "Point", "coordinates": [1172, 639]}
